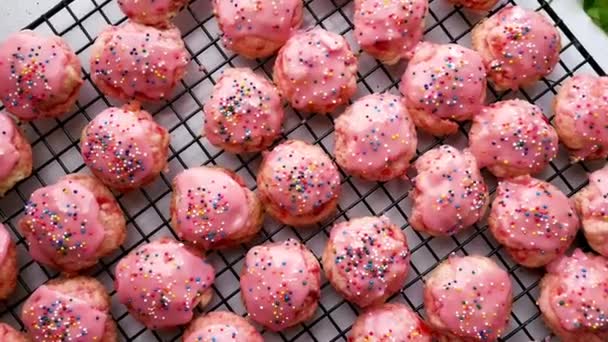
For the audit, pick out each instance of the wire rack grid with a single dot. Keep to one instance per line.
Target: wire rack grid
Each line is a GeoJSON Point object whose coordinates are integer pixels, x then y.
{"type": "Point", "coordinates": [55, 145]}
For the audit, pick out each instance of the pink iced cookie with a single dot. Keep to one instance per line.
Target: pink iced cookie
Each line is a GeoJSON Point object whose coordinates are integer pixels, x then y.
{"type": "Point", "coordinates": [468, 299]}
{"type": "Point", "coordinates": [389, 323]}
{"type": "Point", "coordinates": [592, 206]}
{"type": "Point", "coordinates": [221, 326]}
{"type": "Point", "coordinates": [533, 219]}
{"type": "Point", "coordinates": [8, 265]}
{"type": "Point", "coordinates": [138, 62]}
{"type": "Point", "coordinates": [298, 184]}
{"type": "Point", "coordinates": [581, 116]}
{"type": "Point", "coordinates": [476, 5]}
{"type": "Point", "coordinates": [73, 223]}
{"type": "Point", "coordinates": [366, 260]}
{"type": "Point", "coordinates": [518, 46]}
{"type": "Point", "coordinates": [151, 12]}
{"type": "Point", "coordinates": [41, 76]}
{"type": "Point", "coordinates": [212, 208]}
{"type": "Point", "coordinates": [162, 282]}
{"type": "Point", "coordinates": [449, 193]}
{"type": "Point", "coordinates": [316, 71]}
{"type": "Point", "coordinates": [15, 154]}
{"type": "Point", "coordinates": [389, 29]}
{"type": "Point", "coordinates": [280, 284]}
{"type": "Point", "coordinates": [244, 113]}
{"type": "Point", "coordinates": [375, 138]}
{"type": "Point", "coordinates": [442, 85]}
{"type": "Point", "coordinates": [257, 29]}
{"type": "Point", "coordinates": [125, 148]}
{"type": "Point", "coordinates": [574, 297]}
{"type": "Point", "coordinates": [512, 138]}
{"type": "Point", "coordinates": [69, 309]}
{"type": "Point", "coordinates": [9, 334]}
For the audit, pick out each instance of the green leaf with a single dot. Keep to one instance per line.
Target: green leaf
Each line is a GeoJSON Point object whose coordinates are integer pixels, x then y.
{"type": "Point", "coordinates": [598, 11]}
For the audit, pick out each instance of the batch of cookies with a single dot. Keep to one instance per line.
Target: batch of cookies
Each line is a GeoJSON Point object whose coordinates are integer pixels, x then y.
{"type": "Point", "coordinates": [70, 225]}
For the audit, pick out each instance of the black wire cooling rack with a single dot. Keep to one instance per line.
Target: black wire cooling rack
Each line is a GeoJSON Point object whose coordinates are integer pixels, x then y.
{"type": "Point", "coordinates": [55, 145]}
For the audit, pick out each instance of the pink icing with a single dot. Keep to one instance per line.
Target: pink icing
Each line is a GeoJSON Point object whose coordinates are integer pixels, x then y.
{"type": "Point", "coordinates": [138, 61]}
{"type": "Point", "coordinates": [9, 156]}
{"type": "Point", "coordinates": [479, 5]}
{"type": "Point", "coordinates": [598, 205]}
{"type": "Point", "coordinates": [451, 194]}
{"type": "Point", "coordinates": [513, 133]}
{"type": "Point", "coordinates": [303, 178]}
{"type": "Point", "coordinates": [245, 109]}
{"type": "Point", "coordinates": [150, 11]}
{"type": "Point", "coordinates": [161, 283]}
{"type": "Point", "coordinates": [533, 214]}
{"type": "Point", "coordinates": [586, 103]}
{"type": "Point", "coordinates": [580, 301]}
{"type": "Point", "coordinates": [5, 241]}
{"type": "Point", "coordinates": [316, 68]}
{"type": "Point", "coordinates": [117, 146]}
{"type": "Point", "coordinates": [53, 316]}
{"type": "Point", "coordinates": [475, 299]}
{"type": "Point", "coordinates": [211, 206]}
{"type": "Point", "coordinates": [376, 131]}
{"type": "Point", "coordinates": [32, 68]}
{"type": "Point", "coordinates": [277, 281]}
{"type": "Point", "coordinates": [447, 81]}
{"type": "Point", "coordinates": [522, 44]}
{"type": "Point", "coordinates": [389, 323]}
{"type": "Point", "coordinates": [389, 27]}
{"type": "Point", "coordinates": [221, 326]}
{"type": "Point", "coordinates": [63, 222]}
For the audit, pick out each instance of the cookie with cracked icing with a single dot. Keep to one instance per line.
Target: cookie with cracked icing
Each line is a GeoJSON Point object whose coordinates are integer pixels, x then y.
{"type": "Point", "coordinates": [257, 29]}
{"type": "Point", "coordinates": [581, 116]}
{"type": "Point", "coordinates": [375, 138]}
{"type": "Point", "coordinates": [280, 284]}
{"type": "Point", "coordinates": [512, 138]}
{"type": "Point", "coordinates": [533, 219]}
{"type": "Point", "coordinates": [449, 193]}
{"type": "Point", "coordinates": [125, 148]}
{"type": "Point", "coordinates": [162, 282]}
{"type": "Point", "coordinates": [389, 30]}
{"type": "Point", "coordinates": [390, 322]}
{"type": "Point", "coordinates": [468, 299]}
{"type": "Point", "coordinates": [10, 334]}
{"type": "Point", "coordinates": [518, 46]}
{"type": "Point", "coordinates": [592, 207]}
{"type": "Point", "coordinates": [443, 84]}
{"type": "Point", "coordinates": [15, 154]}
{"type": "Point", "coordinates": [73, 223]}
{"type": "Point", "coordinates": [366, 260]}
{"type": "Point", "coordinates": [573, 297]}
{"type": "Point", "coordinates": [211, 208]}
{"type": "Point", "coordinates": [138, 62]}
{"type": "Point", "coordinates": [152, 12]}
{"type": "Point", "coordinates": [476, 5]}
{"type": "Point", "coordinates": [9, 270]}
{"type": "Point", "coordinates": [41, 76]}
{"type": "Point", "coordinates": [245, 112]}
{"type": "Point", "coordinates": [220, 326]}
{"type": "Point", "coordinates": [316, 71]}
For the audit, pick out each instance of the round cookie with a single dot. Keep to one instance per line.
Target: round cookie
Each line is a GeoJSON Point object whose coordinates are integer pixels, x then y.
{"type": "Point", "coordinates": [298, 184]}
{"type": "Point", "coordinates": [245, 112]}
{"type": "Point", "coordinates": [443, 84]}
{"type": "Point", "coordinates": [512, 138]}
{"type": "Point", "coordinates": [9, 334]}
{"type": "Point", "coordinates": [389, 322]}
{"type": "Point", "coordinates": [518, 46]}
{"type": "Point", "coordinates": [592, 207]}
{"type": "Point", "coordinates": [41, 76]}
{"type": "Point", "coordinates": [151, 12]}
{"type": "Point", "coordinates": [280, 284]}
{"type": "Point", "coordinates": [533, 219]}
{"type": "Point", "coordinates": [125, 148]}
{"type": "Point", "coordinates": [219, 326]}
{"type": "Point", "coordinates": [449, 193]}
{"type": "Point", "coordinates": [162, 282]}
{"type": "Point", "coordinates": [366, 260]}
{"type": "Point", "coordinates": [257, 29]}
{"type": "Point", "coordinates": [316, 71]}
{"type": "Point", "coordinates": [211, 208]}
{"type": "Point", "coordinates": [73, 223]}
{"type": "Point", "coordinates": [15, 154]}
{"type": "Point", "coordinates": [137, 62]}
{"type": "Point", "coordinates": [375, 138]}
{"type": "Point", "coordinates": [69, 309]}
{"type": "Point", "coordinates": [573, 297]}
{"type": "Point", "coordinates": [476, 5]}
{"type": "Point", "coordinates": [8, 265]}
{"type": "Point", "coordinates": [581, 116]}
{"type": "Point", "coordinates": [389, 30]}
{"type": "Point", "coordinates": [468, 299]}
